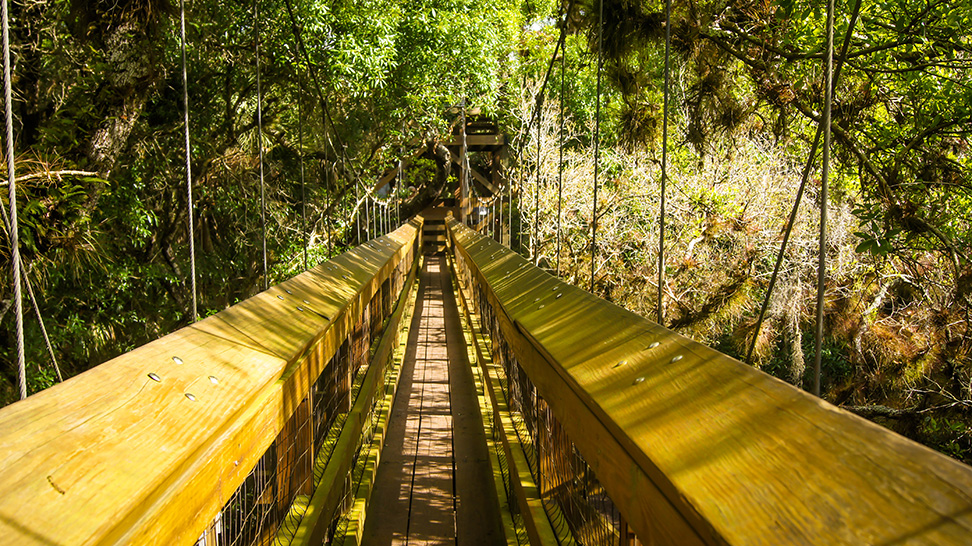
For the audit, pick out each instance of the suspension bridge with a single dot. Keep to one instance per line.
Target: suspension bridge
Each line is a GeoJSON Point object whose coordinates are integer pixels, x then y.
{"type": "Point", "coordinates": [431, 386]}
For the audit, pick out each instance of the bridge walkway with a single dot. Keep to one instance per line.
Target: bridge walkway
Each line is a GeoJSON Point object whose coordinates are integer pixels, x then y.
{"type": "Point", "coordinates": [435, 480]}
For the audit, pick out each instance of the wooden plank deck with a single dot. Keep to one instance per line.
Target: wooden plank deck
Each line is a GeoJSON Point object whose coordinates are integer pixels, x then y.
{"type": "Point", "coordinates": [435, 477]}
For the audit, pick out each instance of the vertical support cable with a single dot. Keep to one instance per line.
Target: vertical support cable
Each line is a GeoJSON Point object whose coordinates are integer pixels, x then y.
{"type": "Point", "coordinates": [519, 209]}
{"type": "Point", "coordinates": [40, 319]}
{"type": "Point", "coordinates": [499, 226]}
{"type": "Point", "coordinates": [825, 175]}
{"type": "Point", "coordinates": [805, 175]}
{"type": "Point", "coordinates": [492, 218]}
{"type": "Point", "coordinates": [332, 206]}
{"type": "Point", "coordinates": [597, 138]}
{"type": "Point", "coordinates": [535, 236]}
{"type": "Point", "coordinates": [300, 159]}
{"type": "Point", "coordinates": [519, 188]}
{"type": "Point", "coordinates": [464, 199]}
{"type": "Point", "coordinates": [664, 165]}
{"type": "Point", "coordinates": [369, 229]}
{"type": "Point", "coordinates": [398, 189]}
{"type": "Point", "coordinates": [560, 162]}
{"type": "Point", "coordinates": [333, 202]}
{"type": "Point", "coordinates": [357, 215]}
{"type": "Point", "coordinates": [12, 201]}
{"type": "Point", "coordinates": [263, 192]}
{"type": "Point", "coordinates": [185, 124]}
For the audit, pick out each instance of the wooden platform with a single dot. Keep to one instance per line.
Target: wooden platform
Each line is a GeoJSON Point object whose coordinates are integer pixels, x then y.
{"type": "Point", "coordinates": [435, 476]}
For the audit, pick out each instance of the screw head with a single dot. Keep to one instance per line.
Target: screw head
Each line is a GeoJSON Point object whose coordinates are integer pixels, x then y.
{"type": "Point", "coordinates": [191, 396]}
{"type": "Point", "coordinates": [155, 377]}
{"type": "Point", "coordinates": [177, 360]}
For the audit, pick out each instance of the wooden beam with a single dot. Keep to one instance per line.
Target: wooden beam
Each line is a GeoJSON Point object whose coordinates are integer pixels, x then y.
{"type": "Point", "coordinates": [526, 491]}
{"type": "Point", "coordinates": [390, 174]}
{"type": "Point", "coordinates": [478, 142]}
{"type": "Point", "coordinates": [695, 447]}
{"type": "Point", "coordinates": [330, 493]}
{"type": "Point", "coordinates": [476, 174]}
{"type": "Point", "coordinates": [117, 456]}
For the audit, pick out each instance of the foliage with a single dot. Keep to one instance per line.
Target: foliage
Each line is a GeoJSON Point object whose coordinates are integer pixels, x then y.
{"type": "Point", "coordinates": [98, 90]}
{"type": "Point", "coordinates": [747, 94]}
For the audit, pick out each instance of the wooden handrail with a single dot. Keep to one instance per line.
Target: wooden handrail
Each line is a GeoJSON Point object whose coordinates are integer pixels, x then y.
{"type": "Point", "coordinates": [695, 447]}
{"type": "Point", "coordinates": [146, 448]}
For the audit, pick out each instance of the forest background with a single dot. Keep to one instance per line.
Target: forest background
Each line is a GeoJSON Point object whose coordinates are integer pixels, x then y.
{"type": "Point", "coordinates": [348, 87]}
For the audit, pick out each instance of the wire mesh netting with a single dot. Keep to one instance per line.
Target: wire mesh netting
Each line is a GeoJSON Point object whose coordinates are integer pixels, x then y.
{"type": "Point", "coordinates": [577, 505]}
{"type": "Point", "coordinates": [268, 507]}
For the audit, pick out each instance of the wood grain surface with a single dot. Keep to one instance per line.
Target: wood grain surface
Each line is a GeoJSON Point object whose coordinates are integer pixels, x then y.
{"type": "Point", "coordinates": [113, 456]}
{"type": "Point", "coordinates": [696, 447]}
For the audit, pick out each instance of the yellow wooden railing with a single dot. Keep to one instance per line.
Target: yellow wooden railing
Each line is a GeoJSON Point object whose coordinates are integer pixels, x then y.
{"type": "Point", "coordinates": [694, 447]}
{"type": "Point", "coordinates": [148, 447]}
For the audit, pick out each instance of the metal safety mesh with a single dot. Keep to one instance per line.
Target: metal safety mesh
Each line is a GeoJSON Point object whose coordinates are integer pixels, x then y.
{"type": "Point", "coordinates": [576, 503]}
{"type": "Point", "coordinates": [268, 507]}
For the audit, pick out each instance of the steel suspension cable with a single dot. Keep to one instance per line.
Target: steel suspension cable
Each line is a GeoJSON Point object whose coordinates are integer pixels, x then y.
{"type": "Point", "coordinates": [263, 197]}
{"type": "Point", "coordinates": [519, 193]}
{"type": "Point", "coordinates": [185, 126]}
{"type": "Point", "coordinates": [40, 320]}
{"type": "Point", "coordinates": [332, 205]}
{"type": "Point", "coordinates": [300, 159]}
{"type": "Point", "coordinates": [464, 198]}
{"type": "Point", "coordinates": [498, 229]}
{"type": "Point", "coordinates": [24, 273]}
{"type": "Point", "coordinates": [664, 164]}
{"type": "Point", "coordinates": [533, 116]}
{"type": "Point", "coordinates": [398, 187]}
{"type": "Point", "coordinates": [535, 236]}
{"type": "Point", "coordinates": [560, 163]}
{"type": "Point", "coordinates": [597, 138]}
{"type": "Point", "coordinates": [824, 182]}
{"type": "Point", "coordinates": [788, 228]}
{"type": "Point", "coordinates": [12, 202]}
{"type": "Point", "coordinates": [553, 59]}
